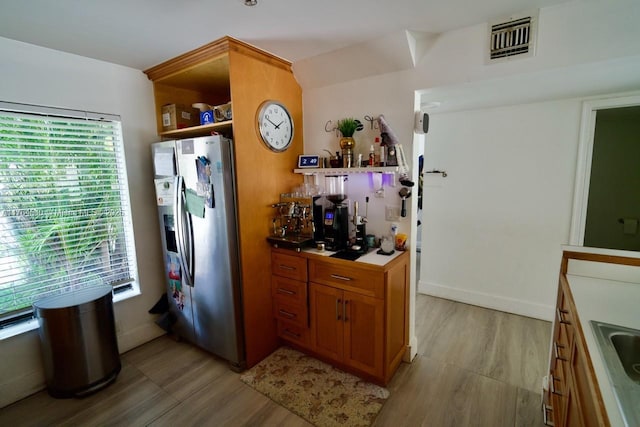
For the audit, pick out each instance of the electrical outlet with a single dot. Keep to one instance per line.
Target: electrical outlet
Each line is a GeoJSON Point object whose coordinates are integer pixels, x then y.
{"type": "Point", "coordinates": [392, 213]}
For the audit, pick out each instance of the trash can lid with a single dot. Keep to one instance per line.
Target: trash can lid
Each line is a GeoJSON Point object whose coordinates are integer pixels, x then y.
{"type": "Point", "coordinates": [73, 298]}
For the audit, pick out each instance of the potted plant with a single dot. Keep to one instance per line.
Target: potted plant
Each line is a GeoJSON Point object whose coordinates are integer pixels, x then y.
{"type": "Point", "coordinates": [347, 128]}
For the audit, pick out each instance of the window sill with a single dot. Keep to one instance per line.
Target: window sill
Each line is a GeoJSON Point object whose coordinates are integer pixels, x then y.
{"type": "Point", "coordinates": [32, 324]}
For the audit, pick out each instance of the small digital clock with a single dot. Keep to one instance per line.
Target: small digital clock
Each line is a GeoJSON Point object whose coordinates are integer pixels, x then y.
{"type": "Point", "coordinates": [308, 161]}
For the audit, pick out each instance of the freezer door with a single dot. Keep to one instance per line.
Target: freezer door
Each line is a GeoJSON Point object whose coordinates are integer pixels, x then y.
{"type": "Point", "coordinates": [206, 167]}
{"type": "Point", "coordinates": [178, 291]}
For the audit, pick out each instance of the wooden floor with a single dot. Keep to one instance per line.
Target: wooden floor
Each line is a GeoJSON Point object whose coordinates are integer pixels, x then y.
{"type": "Point", "coordinates": [475, 367]}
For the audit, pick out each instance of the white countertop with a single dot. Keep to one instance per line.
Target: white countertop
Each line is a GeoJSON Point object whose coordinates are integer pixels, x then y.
{"type": "Point", "coordinates": [611, 302]}
{"type": "Point", "coordinates": [370, 257]}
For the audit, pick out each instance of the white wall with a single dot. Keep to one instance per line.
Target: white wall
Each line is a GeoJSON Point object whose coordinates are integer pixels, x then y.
{"type": "Point", "coordinates": [493, 229]}
{"type": "Point", "coordinates": [34, 75]}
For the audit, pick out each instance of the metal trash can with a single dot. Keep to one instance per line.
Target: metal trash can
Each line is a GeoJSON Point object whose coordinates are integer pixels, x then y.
{"type": "Point", "coordinates": [78, 341]}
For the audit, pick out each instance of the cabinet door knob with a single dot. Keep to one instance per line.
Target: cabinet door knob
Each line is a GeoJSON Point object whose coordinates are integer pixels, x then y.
{"type": "Point", "coordinates": [552, 385]}
{"type": "Point", "coordinates": [556, 350]}
{"type": "Point", "coordinates": [545, 410]}
{"type": "Point", "coordinates": [338, 301]}
{"type": "Point", "coordinates": [344, 310]}
{"type": "Point", "coordinates": [561, 319]}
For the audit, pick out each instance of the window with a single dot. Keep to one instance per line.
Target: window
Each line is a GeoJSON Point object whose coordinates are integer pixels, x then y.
{"type": "Point", "coordinates": [65, 220]}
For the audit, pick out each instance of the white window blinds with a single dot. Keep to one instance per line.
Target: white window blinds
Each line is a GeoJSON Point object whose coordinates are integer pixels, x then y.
{"type": "Point", "coordinates": [65, 220]}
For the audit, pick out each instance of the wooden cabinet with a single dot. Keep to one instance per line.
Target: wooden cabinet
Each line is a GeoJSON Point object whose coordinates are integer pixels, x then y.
{"type": "Point", "coordinates": [348, 327]}
{"type": "Point", "coordinates": [357, 312]}
{"type": "Point", "coordinates": [230, 70]}
{"type": "Point", "coordinates": [573, 398]}
{"type": "Point", "coordinates": [290, 297]}
{"type": "Point", "coordinates": [373, 325]}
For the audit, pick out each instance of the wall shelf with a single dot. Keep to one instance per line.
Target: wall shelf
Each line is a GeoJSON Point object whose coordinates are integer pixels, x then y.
{"type": "Point", "coordinates": [345, 171]}
{"type": "Point", "coordinates": [201, 130]}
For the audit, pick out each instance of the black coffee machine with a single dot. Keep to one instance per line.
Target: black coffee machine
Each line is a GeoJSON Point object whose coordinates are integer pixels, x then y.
{"type": "Point", "coordinates": [336, 217]}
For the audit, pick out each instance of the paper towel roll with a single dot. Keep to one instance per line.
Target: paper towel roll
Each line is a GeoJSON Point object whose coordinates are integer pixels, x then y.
{"type": "Point", "coordinates": [630, 226]}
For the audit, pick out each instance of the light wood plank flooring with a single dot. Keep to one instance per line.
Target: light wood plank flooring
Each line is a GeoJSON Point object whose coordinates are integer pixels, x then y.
{"type": "Point", "coordinates": [475, 367]}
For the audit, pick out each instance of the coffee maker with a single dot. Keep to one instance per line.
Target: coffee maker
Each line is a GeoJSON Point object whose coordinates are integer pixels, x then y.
{"type": "Point", "coordinates": [297, 222]}
{"type": "Point", "coordinates": [336, 217]}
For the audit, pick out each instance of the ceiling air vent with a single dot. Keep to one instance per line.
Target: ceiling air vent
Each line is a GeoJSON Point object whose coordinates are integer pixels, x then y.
{"type": "Point", "coordinates": [514, 37]}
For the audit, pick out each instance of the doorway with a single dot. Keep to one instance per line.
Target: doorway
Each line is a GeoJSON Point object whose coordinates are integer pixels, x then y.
{"type": "Point", "coordinates": [607, 206]}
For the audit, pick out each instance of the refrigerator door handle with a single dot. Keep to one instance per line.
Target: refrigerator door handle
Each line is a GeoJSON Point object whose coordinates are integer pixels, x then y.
{"type": "Point", "coordinates": [188, 241]}
{"type": "Point", "coordinates": [182, 245]}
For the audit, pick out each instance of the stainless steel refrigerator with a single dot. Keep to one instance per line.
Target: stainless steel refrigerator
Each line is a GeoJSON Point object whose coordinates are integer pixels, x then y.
{"type": "Point", "coordinates": [195, 194]}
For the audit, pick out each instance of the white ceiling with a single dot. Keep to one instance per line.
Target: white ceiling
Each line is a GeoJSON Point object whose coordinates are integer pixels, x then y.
{"type": "Point", "coordinates": [143, 33]}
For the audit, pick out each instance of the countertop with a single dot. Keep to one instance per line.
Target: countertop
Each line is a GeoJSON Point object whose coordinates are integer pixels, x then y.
{"type": "Point", "coordinates": [371, 257]}
{"type": "Point", "coordinates": [608, 301]}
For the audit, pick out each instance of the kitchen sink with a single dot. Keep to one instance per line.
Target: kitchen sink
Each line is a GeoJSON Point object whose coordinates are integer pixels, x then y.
{"type": "Point", "coordinates": [628, 348]}
{"type": "Point", "coordinates": [620, 349]}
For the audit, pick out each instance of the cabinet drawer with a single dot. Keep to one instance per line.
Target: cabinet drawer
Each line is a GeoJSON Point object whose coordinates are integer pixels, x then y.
{"type": "Point", "coordinates": [292, 313]}
{"type": "Point", "coordinates": [293, 333]}
{"type": "Point", "coordinates": [289, 291]}
{"type": "Point", "coordinates": [365, 282]}
{"type": "Point", "coordinates": [291, 266]}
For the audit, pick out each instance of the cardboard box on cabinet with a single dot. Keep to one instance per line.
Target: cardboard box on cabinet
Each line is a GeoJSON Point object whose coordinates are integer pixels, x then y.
{"type": "Point", "coordinates": [179, 116]}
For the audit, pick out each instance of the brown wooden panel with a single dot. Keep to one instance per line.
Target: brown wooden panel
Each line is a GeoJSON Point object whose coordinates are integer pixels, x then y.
{"type": "Point", "coordinates": [286, 265]}
{"type": "Point", "coordinates": [293, 313]}
{"type": "Point", "coordinates": [289, 291]}
{"type": "Point", "coordinates": [363, 333]}
{"type": "Point", "coordinates": [396, 317]}
{"type": "Point", "coordinates": [327, 328]}
{"type": "Point", "coordinates": [293, 333]}
{"type": "Point", "coordinates": [261, 175]}
{"type": "Point", "coordinates": [348, 277]}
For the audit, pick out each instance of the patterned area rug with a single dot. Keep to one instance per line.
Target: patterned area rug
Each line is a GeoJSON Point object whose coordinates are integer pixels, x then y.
{"type": "Point", "coordinates": [319, 393]}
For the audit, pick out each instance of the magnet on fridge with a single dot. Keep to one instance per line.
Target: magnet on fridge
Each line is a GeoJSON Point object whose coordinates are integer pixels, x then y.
{"type": "Point", "coordinates": [195, 203]}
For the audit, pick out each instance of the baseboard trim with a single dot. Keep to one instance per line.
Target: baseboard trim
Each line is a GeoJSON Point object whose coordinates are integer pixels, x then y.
{"type": "Point", "coordinates": [411, 351]}
{"type": "Point", "coordinates": [495, 302]}
{"type": "Point", "coordinates": [138, 336]}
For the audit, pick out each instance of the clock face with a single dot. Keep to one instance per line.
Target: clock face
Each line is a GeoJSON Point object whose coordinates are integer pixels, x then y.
{"type": "Point", "coordinates": [275, 125]}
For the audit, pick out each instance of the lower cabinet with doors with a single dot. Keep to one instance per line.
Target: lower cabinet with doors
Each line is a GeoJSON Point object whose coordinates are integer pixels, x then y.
{"type": "Point", "coordinates": [573, 397]}
{"type": "Point", "coordinates": [357, 312]}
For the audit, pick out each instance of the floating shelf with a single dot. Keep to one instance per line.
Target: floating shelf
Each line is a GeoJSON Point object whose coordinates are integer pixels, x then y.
{"type": "Point", "coordinates": [344, 171]}
{"type": "Point", "coordinates": [202, 130]}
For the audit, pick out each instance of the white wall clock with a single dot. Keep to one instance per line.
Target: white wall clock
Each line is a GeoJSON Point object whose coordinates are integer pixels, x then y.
{"type": "Point", "coordinates": [275, 125]}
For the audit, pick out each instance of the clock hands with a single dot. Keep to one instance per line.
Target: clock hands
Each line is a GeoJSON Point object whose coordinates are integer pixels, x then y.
{"type": "Point", "coordinates": [269, 120]}
{"type": "Point", "coordinates": [277, 126]}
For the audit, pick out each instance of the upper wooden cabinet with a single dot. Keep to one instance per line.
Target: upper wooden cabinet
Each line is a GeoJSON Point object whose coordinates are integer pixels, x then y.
{"type": "Point", "coordinates": [230, 70]}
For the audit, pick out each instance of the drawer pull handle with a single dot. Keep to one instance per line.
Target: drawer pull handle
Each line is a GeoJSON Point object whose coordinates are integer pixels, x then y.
{"type": "Point", "coordinates": [291, 334]}
{"type": "Point", "coordinates": [286, 267]}
{"type": "Point", "coordinates": [553, 386]}
{"type": "Point", "coordinates": [556, 350]}
{"type": "Point", "coordinates": [285, 291]}
{"type": "Point", "coordinates": [545, 410]}
{"type": "Point", "coordinates": [287, 314]}
{"type": "Point", "coordinates": [338, 301]}
{"type": "Point", "coordinates": [337, 276]}
{"type": "Point", "coordinates": [561, 319]}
